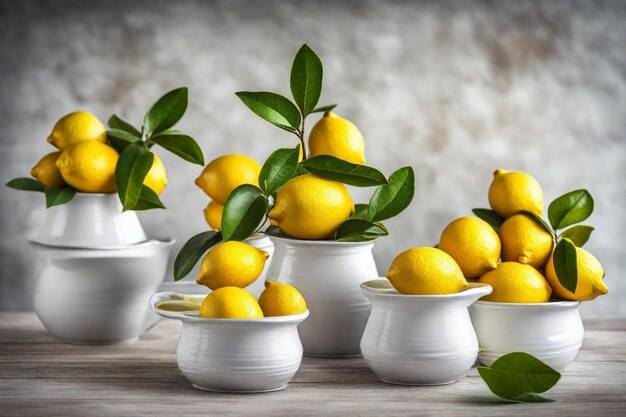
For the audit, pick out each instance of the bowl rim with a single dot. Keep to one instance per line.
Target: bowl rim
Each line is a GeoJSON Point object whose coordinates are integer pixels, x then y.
{"type": "Point", "coordinates": [192, 316]}
{"type": "Point", "coordinates": [472, 289]}
{"type": "Point", "coordinates": [148, 242]}
{"type": "Point", "coordinates": [556, 303]}
{"type": "Point", "coordinates": [324, 242]}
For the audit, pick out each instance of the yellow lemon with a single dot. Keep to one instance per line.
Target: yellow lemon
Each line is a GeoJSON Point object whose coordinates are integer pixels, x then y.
{"type": "Point", "coordinates": [231, 264]}
{"type": "Point", "coordinates": [512, 192]}
{"type": "Point", "coordinates": [281, 300]}
{"type": "Point", "coordinates": [89, 166]}
{"type": "Point", "coordinates": [309, 207]}
{"type": "Point", "coordinates": [426, 271]}
{"type": "Point", "coordinates": [473, 244]}
{"type": "Point", "coordinates": [336, 136]}
{"type": "Point", "coordinates": [156, 179]}
{"type": "Point", "coordinates": [213, 215]}
{"type": "Point", "coordinates": [590, 278]}
{"type": "Point", "coordinates": [525, 241]}
{"type": "Point", "coordinates": [230, 303]}
{"type": "Point", "coordinates": [46, 171]}
{"type": "Point", "coordinates": [513, 282]}
{"type": "Point", "coordinates": [222, 175]}
{"type": "Point", "coordinates": [77, 127]}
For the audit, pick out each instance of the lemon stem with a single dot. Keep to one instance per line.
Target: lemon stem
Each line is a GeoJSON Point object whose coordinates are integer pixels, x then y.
{"type": "Point", "coordinates": [300, 134]}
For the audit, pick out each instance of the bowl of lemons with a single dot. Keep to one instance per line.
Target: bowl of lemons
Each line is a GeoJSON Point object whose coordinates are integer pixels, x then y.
{"type": "Point", "coordinates": [230, 341]}
{"type": "Point", "coordinates": [538, 269]}
{"type": "Point", "coordinates": [419, 330]}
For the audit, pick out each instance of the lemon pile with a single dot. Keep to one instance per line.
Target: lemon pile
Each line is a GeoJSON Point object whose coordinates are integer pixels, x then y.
{"type": "Point", "coordinates": [469, 248]}
{"type": "Point", "coordinates": [231, 266]}
{"type": "Point", "coordinates": [220, 177]}
{"type": "Point", "coordinates": [85, 161]}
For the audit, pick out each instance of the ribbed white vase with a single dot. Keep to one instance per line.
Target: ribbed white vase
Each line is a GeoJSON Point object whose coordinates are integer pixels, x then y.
{"type": "Point", "coordinates": [329, 275]}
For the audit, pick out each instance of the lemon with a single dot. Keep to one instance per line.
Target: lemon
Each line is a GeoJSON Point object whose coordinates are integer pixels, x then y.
{"type": "Point", "coordinates": [281, 300]}
{"type": "Point", "coordinates": [590, 278]}
{"type": "Point", "coordinates": [336, 136]}
{"type": "Point", "coordinates": [525, 241]}
{"type": "Point", "coordinates": [426, 271]}
{"type": "Point", "coordinates": [513, 282]}
{"type": "Point", "coordinates": [473, 244]}
{"type": "Point", "coordinates": [89, 166]}
{"type": "Point", "coordinates": [77, 127]}
{"type": "Point", "coordinates": [309, 207]}
{"type": "Point", "coordinates": [156, 179]}
{"type": "Point", "coordinates": [230, 303]}
{"type": "Point", "coordinates": [222, 175]}
{"type": "Point", "coordinates": [512, 192]}
{"type": "Point", "coordinates": [213, 215]}
{"type": "Point", "coordinates": [46, 171]}
{"type": "Point", "coordinates": [231, 264]}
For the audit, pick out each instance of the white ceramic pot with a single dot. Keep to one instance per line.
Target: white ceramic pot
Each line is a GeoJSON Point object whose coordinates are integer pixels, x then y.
{"type": "Point", "coordinates": [235, 355]}
{"type": "Point", "coordinates": [420, 339]}
{"type": "Point", "coordinates": [552, 331]}
{"type": "Point", "coordinates": [99, 295]}
{"type": "Point", "coordinates": [265, 244]}
{"type": "Point", "coordinates": [329, 275]}
{"type": "Point", "coordinates": [90, 221]}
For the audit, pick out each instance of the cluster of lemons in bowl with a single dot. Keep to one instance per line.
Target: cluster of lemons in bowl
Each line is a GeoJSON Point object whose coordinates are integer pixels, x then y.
{"type": "Point", "coordinates": [470, 249]}
{"type": "Point", "coordinates": [85, 160]}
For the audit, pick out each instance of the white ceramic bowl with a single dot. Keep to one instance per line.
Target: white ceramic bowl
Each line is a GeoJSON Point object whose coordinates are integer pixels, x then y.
{"type": "Point", "coordinates": [99, 295]}
{"type": "Point", "coordinates": [235, 355]}
{"type": "Point", "coordinates": [90, 221]}
{"type": "Point", "coordinates": [552, 331]}
{"type": "Point", "coordinates": [419, 339]}
{"type": "Point", "coordinates": [328, 274]}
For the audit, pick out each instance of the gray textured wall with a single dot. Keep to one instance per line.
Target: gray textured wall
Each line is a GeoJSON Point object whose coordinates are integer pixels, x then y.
{"type": "Point", "coordinates": [455, 89]}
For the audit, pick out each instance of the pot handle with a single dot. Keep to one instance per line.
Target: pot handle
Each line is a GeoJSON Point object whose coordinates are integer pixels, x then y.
{"type": "Point", "coordinates": [172, 305]}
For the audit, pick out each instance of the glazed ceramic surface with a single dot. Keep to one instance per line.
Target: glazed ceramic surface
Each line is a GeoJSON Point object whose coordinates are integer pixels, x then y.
{"type": "Point", "coordinates": [328, 274]}
{"type": "Point", "coordinates": [236, 355]}
{"type": "Point", "coordinates": [90, 221]}
{"type": "Point", "coordinates": [99, 295]}
{"type": "Point", "coordinates": [420, 339]}
{"type": "Point", "coordinates": [552, 332]}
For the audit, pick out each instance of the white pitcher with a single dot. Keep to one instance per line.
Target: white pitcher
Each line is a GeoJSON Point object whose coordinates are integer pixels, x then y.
{"type": "Point", "coordinates": [328, 274]}
{"type": "Point", "coordinates": [420, 339]}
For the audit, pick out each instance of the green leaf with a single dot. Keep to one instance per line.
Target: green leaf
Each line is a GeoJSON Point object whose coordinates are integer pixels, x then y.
{"type": "Point", "coordinates": [579, 235]}
{"type": "Point", "coordinates": [116, 122]}
{"type": "Point", "coordinates": [360, 212]}
{"type": "Point", "coordinates": [275, 231]}
{"type": "Point", "coordinates": [276, 109]}
{"type": "Point", "coordinates": [131, 170]}
{"type": "Point", "coordinates": [306, 79]}
{"type": "Point", "coordinates": [564, 259]}
{"type": "Point", "coordinates": [570, 208]}
{"type": "Point", "coordinates": [120, 139]}
{"type": "Point", "coordinates": [541, 222]}
{"type": "Point", "coordinates": [390, 199]}
{"type": "Point", "coordinates": [148, 200]}
{"type": "Point", "coordinates": [358, 228]}
{"type": "Point", "coordinates": [25, 184]}
{"type": "Point", "coordinates": [324, 109]}
{"type": "Point", "coordinates": [519, 376]}
{"type": "Point", "coordinates": [530, 397]}
{"type": "Point", "coordinates": [181, 145]}
{"type": "Point", "coordinates": [193, 250]}
{"type": "Point", "coordinates": [243, 211]}
{"type": "Point", "coordinates": [489, 216]}
{"type": "Point", "coordinates": [279, 168]}
{"type": "Point", "coordinates": [166, 112]}
{"type": "Point", "coordinates": [58, 196]}
{"type": "Point", "coordinates": [335, 169]}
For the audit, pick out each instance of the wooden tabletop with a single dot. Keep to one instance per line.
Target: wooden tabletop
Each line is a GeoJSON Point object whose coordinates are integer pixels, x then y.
{"type": "Point", "coordinates": [42, 376]}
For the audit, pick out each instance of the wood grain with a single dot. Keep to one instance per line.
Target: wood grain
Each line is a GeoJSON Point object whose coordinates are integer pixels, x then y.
{"type": "Point", "coordinates": [42, 376]}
